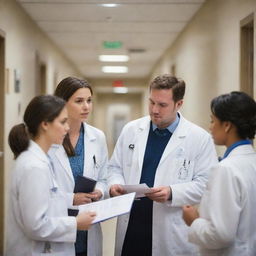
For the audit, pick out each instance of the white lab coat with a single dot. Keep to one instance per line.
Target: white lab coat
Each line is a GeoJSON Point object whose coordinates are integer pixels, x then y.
{"type": "Point", "coordinates": [37, 211]}
{"type": "Point", "coordinates": [184, 166]}
{"type": "Point", "coordinates": [95, 167]}
{"type": "Point", "coordinates": [228, 224]}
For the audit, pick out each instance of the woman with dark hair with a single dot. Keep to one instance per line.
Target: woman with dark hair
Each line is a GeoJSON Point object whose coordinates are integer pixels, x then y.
{"type": "Point", "coordinates": [38, 223]}
{"type": "Point", "coordinates": [225, 224]}
{"type": "Point", "coordinates": [84, 153]}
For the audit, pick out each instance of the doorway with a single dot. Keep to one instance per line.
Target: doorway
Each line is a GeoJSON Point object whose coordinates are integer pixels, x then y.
{"type": "Point", "coordinates": [247, 52]}
{"type": "Point", "coordinates": [40, 81]}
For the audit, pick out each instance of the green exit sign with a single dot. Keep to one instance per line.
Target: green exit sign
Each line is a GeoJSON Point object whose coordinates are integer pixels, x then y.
{"type": "Point", "coordinates": [112, 44]}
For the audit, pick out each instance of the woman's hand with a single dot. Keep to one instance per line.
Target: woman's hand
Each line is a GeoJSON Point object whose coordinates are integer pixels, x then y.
{"type": "Point", "coordinates": [84, 220]}
{"type": "Point", "coordinates": [190, 213]}
{"type": "Point", "coordinates": [96, 195]}
{"type": "Point", "coordinates": [82, 198]}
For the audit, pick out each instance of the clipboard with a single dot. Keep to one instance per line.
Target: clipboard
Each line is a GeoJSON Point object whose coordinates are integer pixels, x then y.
{"type": "Point", "coordinates": [84, 184]}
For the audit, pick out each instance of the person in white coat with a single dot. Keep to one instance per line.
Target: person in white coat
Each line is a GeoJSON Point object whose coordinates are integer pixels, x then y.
{"type": "Point", "coordinates": [170, 154]}
{"type": "Point", "coordinates": [38, 223]}
{"type": "Point", "coordinates": [84, 153]}
{"type": "Point", "coordinates": [225, 224]}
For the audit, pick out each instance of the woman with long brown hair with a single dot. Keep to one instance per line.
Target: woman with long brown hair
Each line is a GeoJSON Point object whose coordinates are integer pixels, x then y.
{"type": "Point", "coordinates": [84, 153]}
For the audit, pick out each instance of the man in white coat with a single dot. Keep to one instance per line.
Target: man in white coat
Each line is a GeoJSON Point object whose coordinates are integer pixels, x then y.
{"type": "Point", "coordinates": [169, 154]}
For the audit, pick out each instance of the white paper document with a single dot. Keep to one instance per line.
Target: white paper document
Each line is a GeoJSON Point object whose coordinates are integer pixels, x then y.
{"type": "Point", "coordinates": [109, 208]}
{"type": "Point", "coordinates": [140, 189]}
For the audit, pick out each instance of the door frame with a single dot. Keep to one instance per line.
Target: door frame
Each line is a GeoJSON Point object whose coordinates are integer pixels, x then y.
{"type": "Point", "coordinates": [2, 136]}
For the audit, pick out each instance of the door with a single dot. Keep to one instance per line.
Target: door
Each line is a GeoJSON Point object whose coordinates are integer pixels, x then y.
{"type": "Point", "coordinates": [40, 78]}
{"type": "Point", "coordinates": [247, 54]}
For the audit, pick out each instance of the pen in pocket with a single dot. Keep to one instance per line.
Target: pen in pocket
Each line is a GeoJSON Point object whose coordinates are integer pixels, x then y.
{"type": "Point", "coordinates": [95, 162]}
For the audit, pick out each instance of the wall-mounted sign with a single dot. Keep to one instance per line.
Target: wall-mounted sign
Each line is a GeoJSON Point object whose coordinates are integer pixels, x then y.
{"type": "Point", "coordinates": [112, 44]}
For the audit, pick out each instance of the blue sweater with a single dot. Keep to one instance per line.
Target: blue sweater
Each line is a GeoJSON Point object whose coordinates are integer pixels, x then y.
{"type": "Point", "coordinates": [139, 231]}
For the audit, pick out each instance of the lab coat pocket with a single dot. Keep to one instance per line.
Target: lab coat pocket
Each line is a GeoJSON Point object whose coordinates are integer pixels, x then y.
{"type": "Point", "coordinates": [58, 203]}
{"type": "Point", "coordinates": [52, 249]}
{"type": "Point", "coordinates": [96, 170]}
{"type": "Point", "coordinates": [129, 155]}
{"type": "Point", "coordinates": [52, 253]}
{"type": "Point", "coordinates": [184, 170]}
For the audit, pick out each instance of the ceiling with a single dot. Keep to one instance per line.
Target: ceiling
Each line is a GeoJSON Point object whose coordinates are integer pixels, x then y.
{"type": "Point", "coordinates": [145, 28]}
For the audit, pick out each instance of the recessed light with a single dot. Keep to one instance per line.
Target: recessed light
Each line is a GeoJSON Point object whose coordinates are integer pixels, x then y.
{"type": "Point", "coordinates": [114, 69]}
{"type": "Point", "coordinates": [120, 89]}
{"type": "Point", "coordinates": [114, 58]}
{"type": "Point", "coordinates": [109, 5]}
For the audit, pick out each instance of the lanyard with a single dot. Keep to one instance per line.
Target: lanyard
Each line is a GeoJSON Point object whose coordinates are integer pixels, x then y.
{"type": "Point", "coordinates": [236, 144]}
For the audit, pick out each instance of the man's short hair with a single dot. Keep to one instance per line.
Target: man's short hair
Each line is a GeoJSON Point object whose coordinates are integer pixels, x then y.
{"type": "Point", "coordinates": [166, 82]}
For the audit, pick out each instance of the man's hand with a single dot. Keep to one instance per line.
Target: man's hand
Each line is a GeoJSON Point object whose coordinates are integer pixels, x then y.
{"type": "Point", "coordinates": [159, 194]}
{"type": "Point", "coordinates": [116, 190]}
{"type": "Point", "coordinates": [190, 213]}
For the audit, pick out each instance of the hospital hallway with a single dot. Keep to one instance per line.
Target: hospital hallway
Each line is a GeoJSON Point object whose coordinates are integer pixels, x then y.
{"type": "Point", "coordinates": [119, 46]}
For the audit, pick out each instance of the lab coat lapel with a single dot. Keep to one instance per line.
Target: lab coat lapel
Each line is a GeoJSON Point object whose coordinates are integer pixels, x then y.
{"type": "Point", "coordinates": [89, 152]}
{"type": "Point", "coordinates": [37, 150]}
{"type": "Point", "coordinates": [142, 140]}
{"type": "Point", "coordinates": [177, 137]}
{"type": "Point", "coordinates": [64, 162]}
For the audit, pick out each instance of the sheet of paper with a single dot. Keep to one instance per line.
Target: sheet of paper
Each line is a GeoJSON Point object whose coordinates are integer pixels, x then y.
{"type": "Point", "coordinates": [140, 189]}
{"type": "Point", "coordinates": [109, 208]}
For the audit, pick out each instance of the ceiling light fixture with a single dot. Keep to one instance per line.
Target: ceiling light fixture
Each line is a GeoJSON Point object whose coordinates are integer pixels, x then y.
{"type": "Point", "coordinates": [120, 89]}
{"type": "Point", "coordinates": [114, 69]}
{"type": "Point", "coordinates": [114, 58]}
{"type": "Point", "coordinates": [109, 5]}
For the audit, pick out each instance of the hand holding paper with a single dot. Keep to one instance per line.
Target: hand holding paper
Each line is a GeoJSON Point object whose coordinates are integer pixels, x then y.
{"type": "Point", "coordinates": [84, 220]}
{"type": "Point", "coordinates": [160, 194]}
{"type": "Point", "coordinates": [140, 189]}
{"type": "Point", "coordinates": [109, 208]}
{"type": "Point", "coordinates": [116, 190]}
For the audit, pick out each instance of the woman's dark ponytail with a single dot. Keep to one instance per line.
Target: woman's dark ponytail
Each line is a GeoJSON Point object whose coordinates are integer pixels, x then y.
{"type": "Point", "coordinates": [18, 139]}
{"type": "Point", "coordinates": [41, 108]}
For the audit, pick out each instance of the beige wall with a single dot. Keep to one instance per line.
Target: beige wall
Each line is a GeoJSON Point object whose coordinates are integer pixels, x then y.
{"type": "Point", "coordinates": [207, 55]}
{"type": "Point", "coordinates": [107, 103]}
{"type": "Point", "coordinates": [23, 39]}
